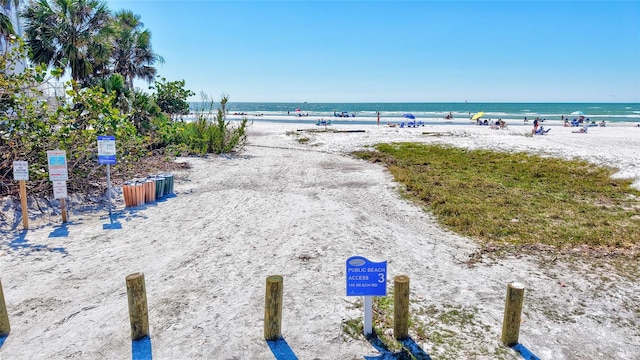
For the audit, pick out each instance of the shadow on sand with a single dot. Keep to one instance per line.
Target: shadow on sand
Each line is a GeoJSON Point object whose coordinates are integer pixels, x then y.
{"type": "Point", "coordinates": [60, 231]}
{"type": "Point", "coordinates": [281, 349]}
{"type": "Point", "coordinates": [411, 350]}
{"type": "Point", "coordinates": [113, 224]}
{"type": "Point", "coordinates": [141, 349]}
{"type": "Point", "coordinates": [20, 242]}
{"type": "Point", "coordinates": [524, 352]}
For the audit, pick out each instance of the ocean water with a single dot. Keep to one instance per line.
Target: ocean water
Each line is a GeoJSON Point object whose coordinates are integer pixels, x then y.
{"type": "Point", "coordinates": [433, 112]}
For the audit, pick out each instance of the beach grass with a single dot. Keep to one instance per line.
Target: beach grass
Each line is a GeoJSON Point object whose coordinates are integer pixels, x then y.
{"type": "Point", "coordinates": [517, 198]}
{"type": "Point", "coordinates": [444, 329]}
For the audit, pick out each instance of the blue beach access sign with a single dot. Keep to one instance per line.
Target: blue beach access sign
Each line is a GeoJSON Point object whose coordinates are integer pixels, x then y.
{"type": "Point", "coordinates": [366, 278]}
{"type": "Point", "coordinates": [106, 150]}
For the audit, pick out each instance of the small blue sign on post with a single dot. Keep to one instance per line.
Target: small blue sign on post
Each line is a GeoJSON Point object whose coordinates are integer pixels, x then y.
{"type": "Point", "coordinates": [366, 278]}
{"type": "Point", "coordinates": [106, 150]}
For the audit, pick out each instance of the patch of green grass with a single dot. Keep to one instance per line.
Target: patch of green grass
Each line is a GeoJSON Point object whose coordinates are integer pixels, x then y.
{"type": "Point", "coordinates": [443, 331]}
{"type": "Point", "coordinates": [516, 198]}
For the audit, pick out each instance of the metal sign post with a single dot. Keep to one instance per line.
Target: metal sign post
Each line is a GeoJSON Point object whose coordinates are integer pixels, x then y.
{"type": "Point", "coordinates": [107, 156]}
{"type": "Point", "coordinates": [366, 278]}
{"type": "Point", "coordinates": [109, 189]}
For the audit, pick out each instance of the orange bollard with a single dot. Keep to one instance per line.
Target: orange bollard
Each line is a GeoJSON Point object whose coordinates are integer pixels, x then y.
{"type": "Point", "coordinates": [140, 194]}
{"type": "Point", "coordinates": [127, 195]}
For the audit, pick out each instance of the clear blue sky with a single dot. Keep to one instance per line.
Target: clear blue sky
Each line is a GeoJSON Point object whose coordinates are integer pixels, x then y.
{"type": "Point", "coordinates": [398, 51]}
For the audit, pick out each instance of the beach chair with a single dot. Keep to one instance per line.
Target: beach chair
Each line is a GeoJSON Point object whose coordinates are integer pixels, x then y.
{"type": "Point", "coordinates": [542, 131]}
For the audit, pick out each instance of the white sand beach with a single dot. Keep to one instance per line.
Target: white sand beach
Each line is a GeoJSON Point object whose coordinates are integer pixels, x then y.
{"type": "Point", "coordinates": [282, 207]}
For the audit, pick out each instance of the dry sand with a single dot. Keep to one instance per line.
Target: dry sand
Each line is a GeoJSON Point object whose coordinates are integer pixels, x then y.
{"type": "Point", "coordinates": [300, 210]}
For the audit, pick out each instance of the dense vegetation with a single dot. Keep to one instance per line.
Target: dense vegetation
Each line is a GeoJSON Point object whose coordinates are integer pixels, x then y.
{"type": "Point", "coordinates": [103, 53]}
{"type": "Point", "coordinates": [517, 198]}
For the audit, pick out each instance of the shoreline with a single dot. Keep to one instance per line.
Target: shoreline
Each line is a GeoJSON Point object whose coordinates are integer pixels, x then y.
{"type": "Point", "coordinates": [312, 119]}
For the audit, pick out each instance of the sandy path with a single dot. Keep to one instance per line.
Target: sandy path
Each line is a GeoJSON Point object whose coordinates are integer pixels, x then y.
{"type": "Point", "coordinates": [299, 211]}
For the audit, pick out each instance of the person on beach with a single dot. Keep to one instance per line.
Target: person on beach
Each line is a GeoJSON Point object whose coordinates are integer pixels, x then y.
{"type": "Point", "coordinates": [378, 117]}
{"type": "Point", "coordinates": [535, 126]}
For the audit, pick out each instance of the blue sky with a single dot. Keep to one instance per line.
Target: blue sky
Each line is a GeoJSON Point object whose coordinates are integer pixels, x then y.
{"type": "Point", "coordinates": [398, 51]}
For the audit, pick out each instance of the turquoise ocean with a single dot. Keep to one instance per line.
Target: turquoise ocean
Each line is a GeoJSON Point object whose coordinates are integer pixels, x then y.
{"type": "Point", "coordinates": [366, 113]}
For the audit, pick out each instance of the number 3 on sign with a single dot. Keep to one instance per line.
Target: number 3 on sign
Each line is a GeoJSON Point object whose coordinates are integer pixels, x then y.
{"type": "Point", "coordinates": [380, 278]}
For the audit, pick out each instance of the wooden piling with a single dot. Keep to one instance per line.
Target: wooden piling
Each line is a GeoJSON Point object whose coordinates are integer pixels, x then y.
{"type": "Point", "coordinates": [63, 209]}
{"type": "Point", "coordinates": [401, 307]}
{"type": "Point", "coordinates": [5, 328]}
{"type": "Point", "coordinates": [273, 308]}
{"type": "Point", "coordinates": [512, 313]}
{"type": "Point", "coordinates": [125, 194]}
{"type": "Point", "coordinates": [23, 203]}
{"type": "Point", "coordinates": [138, 311]}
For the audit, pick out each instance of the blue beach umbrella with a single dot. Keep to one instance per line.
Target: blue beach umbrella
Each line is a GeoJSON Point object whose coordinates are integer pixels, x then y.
{"type": "Point", "coordinates": [409, 116]}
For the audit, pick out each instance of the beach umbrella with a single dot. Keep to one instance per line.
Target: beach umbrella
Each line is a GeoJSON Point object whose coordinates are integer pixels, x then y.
{"type": "Point", "coordinates": [577, 113]}
{"type": "Point", "coordinates": [409, 116]}
{"type": "Point", "coordinates": [477, 115]}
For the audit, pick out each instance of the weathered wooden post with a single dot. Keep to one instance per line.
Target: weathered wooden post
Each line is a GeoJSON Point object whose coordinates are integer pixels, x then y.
{"type": "Point", "coordinates": [512, 313]}
{"type": "Point", "coordinates": [23, 204]}
{"type": "Point", "coordinates": [63, 209]}
{"type": "Point", "coordinates": [5, 328]}
{"type": "Point", "coordinates": [138, 311]}
{"type": "Point", "coordinates": [21, 174]}
{"type": "Point", "coordinates": [273, 308]}
{"type": "Point", "coordinates": [401, 307]}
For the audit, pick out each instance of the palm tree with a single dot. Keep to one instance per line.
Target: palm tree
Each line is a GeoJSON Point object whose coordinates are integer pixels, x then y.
{"type": "Point", "coordinates": [6, 28]}
{"type": "Point", "coordinates": [7, 31]}
{"type": "Point", "coordinates": [133, 56]}
{"type": "Point", "coordinates": [69, 34]}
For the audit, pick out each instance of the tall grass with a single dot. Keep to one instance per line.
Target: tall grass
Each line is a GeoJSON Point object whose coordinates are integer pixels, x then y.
{"type": "Point", "coordinates": [517, 198]}
{"type": "Point", "coordinates": [211, 134]}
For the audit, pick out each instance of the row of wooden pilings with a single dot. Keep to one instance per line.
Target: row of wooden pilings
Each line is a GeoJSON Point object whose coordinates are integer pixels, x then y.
{"type": "Point", "coordinates": [138, 310]}
{"type": "Point", "coordinates": [139, 314]}
{"type": "Point", "coordinates": [510, 325]}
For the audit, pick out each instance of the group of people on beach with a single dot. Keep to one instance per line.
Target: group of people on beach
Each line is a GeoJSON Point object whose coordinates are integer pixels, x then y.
{"type": "Point", "coordinates": [498, 124]}
{"type": "Point", "coordinates": [343, 114]}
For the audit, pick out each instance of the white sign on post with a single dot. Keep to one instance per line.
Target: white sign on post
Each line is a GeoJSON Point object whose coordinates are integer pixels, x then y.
{"type": "Point", "coordinates": [57, 160]}
{"type": "Point", "coordinates": [366, 278]}
{"type": "Point", "coordinates": [59, 189]}
{"type": "Point", "coordinates": [106, 150]}
{"type": "Point", "coordinates": [20, 170]}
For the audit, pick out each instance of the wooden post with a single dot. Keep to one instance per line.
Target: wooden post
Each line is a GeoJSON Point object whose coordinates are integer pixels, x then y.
{"type": "Point", "coordinates": [63, 208]}
{"type": "Point", "coordinates": [512, 313]}
{"type": "Point", "coordinates": [138, 312]}
{"type": "Point", "coordinates": [5, 328]}
{"type": "Point", "coordinates": [401, 307]}
{"type": "Point", "coordinates": [23, 202]}
{"type": "Point", "coordinates": [273, 308]}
